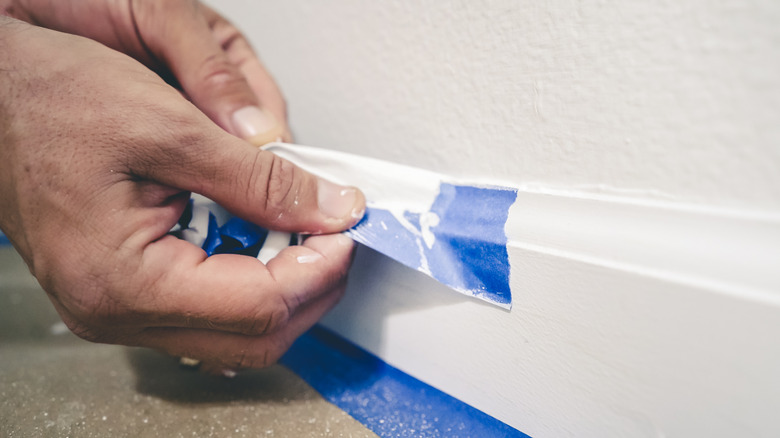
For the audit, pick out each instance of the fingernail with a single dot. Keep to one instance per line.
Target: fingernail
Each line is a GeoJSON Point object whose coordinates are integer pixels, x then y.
{"type": "Point", "coordinates": [188, 362]}
{"type": "Point", "coordinates": [256, 125]}
{"type": "Point", "coordinates": [338, 201]}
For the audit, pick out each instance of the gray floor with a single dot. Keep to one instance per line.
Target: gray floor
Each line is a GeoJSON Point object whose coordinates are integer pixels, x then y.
{"type": "Point", "coordinates": [54, 384]}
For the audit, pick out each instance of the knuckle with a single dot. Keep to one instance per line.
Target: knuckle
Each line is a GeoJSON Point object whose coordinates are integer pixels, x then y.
{"type": "Point", "coordinates": [243, 360]}
{"type": "Point", "coordinates": [249, 358]}
{"type": "Point", "coordinates": [221, 77]}
{"type": "Point", "coordinates": [261, 356]}
{"type": "Point", "coordinates": [280, 187]}
{"type": "Point", "coordinates": [272, 316]}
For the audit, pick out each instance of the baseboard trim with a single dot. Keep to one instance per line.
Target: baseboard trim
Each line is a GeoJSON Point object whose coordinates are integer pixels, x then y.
{"type": "Point", "coordinates": [725, 251]}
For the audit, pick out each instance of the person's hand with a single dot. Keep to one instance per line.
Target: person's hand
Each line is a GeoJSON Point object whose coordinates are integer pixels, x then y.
{"type": "Point", "coordinates": [97, 159]}
{"type": "Point", "coordinates": [186, 43]}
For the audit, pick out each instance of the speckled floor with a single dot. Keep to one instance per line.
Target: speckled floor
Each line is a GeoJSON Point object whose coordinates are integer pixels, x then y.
{"type": "Point", "coordinates": [53, 384]}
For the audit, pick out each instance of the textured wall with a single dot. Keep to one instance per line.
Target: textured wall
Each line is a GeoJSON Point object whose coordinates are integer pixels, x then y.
{"type": "Point", "coordinates": [671, 100]}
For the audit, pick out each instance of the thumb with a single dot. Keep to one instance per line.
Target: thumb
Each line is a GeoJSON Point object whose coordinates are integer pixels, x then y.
{"type": "Point", "coordinates": [181, 36]}
{"type": "Point", "coordinates": [255, 184]}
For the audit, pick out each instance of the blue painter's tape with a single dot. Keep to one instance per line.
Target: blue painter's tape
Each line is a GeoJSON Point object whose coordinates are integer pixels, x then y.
{"type": "Point", "coordinates": [471, 232]}
{"type": "Point", "coordinates": [386, 400]}
{"type": "Point", "coordinates": [236, 236]}
{"type": "Point", "coordinates": [460, 241]}
{"type": "Point", "coordinates": [4, 240]}
{"type": "Point", "coordinates": [213, 237]}
{"type": "Point", "coordinates": [380, 230]}
{"type": "Point", "coordinates": [247, 238]}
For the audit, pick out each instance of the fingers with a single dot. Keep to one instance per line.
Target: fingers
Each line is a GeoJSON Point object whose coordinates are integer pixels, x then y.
{"type": "Point", "coordinates": [241, 54]}
{"type": "Point", "coordinates": [235, 293]}
{"type": "Point", "coordinates": [207, 56]}
{"type": "Point", "coordinates": [179, 34]}
{"type": "Point", "coordinates": [230, 323]}
{"type": "Point", "coordinates": [236, 351]}
{"type": "Point", "coordinates": [253, 184]}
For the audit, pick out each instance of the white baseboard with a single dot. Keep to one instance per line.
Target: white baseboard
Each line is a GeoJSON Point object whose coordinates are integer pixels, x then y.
{"type": "Point", "coordinates": [630, 318]}
{"type": "Point", "coordinates": [735, 252]}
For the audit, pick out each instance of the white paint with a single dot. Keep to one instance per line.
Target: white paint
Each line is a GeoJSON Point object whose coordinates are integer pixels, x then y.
{"type": "Point", "coordinates": [309, 258]}
{"type": "Point", "coordinates": [274, 243]}
{"type": "Point", "coordinates": [198, 228]}
{"type": "Point", "coordinates": [397, 188]}
{"type": "Point", "coordinates": [645, 138]}
{"type": "Point", "coordinates": [398, 214]}
{"type": "Point", "coordinates": [428, 220]}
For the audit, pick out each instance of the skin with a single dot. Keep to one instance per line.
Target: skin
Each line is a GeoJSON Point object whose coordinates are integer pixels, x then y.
{"type": "Point", "coordinates": [98, 156]}
{"type": "Point", "coordinates": [185, 42]}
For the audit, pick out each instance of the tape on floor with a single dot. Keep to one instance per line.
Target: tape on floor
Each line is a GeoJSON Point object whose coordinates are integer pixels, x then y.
{"type": "Point", "coordinates": [386, 400]}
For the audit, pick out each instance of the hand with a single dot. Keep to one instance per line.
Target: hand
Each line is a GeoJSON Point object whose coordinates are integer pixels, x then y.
{"type": "Point", "coordinates": [97, 159]}
{"type": "Point", "coordinates": [186, 43]}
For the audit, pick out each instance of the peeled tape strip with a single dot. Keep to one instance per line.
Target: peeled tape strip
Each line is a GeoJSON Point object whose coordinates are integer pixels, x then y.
{"type": "Point", "coordinates": [449, 230]}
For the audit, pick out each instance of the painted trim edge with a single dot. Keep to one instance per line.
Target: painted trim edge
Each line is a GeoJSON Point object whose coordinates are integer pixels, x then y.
{"type": "Point", "coordinates": [728, 252]}
{"type": "Point", "coordinates": [386, 400]}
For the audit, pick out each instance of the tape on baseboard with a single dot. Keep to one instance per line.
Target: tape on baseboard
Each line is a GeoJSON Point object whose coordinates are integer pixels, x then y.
{"type": "Point", "coordinates": [450, 230]}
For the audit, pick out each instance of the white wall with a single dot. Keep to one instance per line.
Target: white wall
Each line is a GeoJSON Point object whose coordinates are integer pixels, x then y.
{"type": "Point", "coordinates": [645, 138]}
{"type": "Point", "coordinates": [676, 100]}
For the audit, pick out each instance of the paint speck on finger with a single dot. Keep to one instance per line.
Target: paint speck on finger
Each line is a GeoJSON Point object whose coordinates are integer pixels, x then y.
{"type": "Point", "coordinates": [308, 258]}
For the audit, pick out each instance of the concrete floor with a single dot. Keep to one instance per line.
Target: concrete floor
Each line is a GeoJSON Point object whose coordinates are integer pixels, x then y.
{"type": "Point", "coordinates": [54, 384]}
